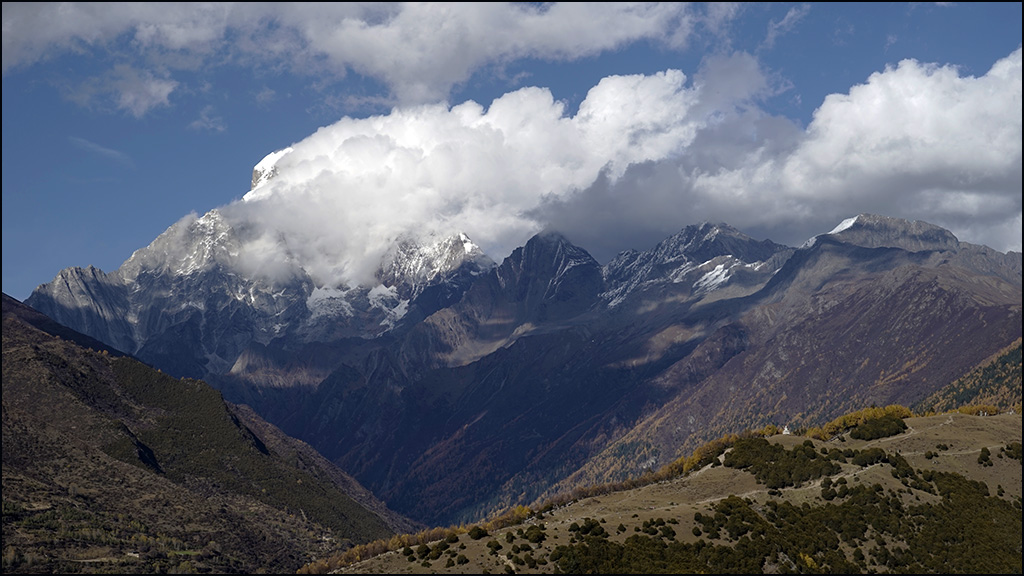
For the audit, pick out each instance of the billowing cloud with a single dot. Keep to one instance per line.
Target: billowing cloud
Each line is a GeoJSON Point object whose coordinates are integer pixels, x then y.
{"type": "Point", "coordinates": [342, 196]}
{"type": "Point", "coordinates": [644, 155]}
{"type": "Point", "coordinates": [918, 138]}
{"type": "Point", "coordinates": [35, 31]}
{"type": "Point", "coordinates": [917, 141]}
{"type": "Point", "coordinates": [421, 50]}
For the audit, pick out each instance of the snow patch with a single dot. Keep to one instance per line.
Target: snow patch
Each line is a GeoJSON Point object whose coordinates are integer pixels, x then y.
{"type": "Point", "coordinates": [467, 244]}
{"type": "Point", "coordinates": [395, 314]}
{"type": "Point", "coordinates": [385, 298]}
{"type": "Point", "coordinates": [380, 292]}
{"type": "Point", "coordinates": [679, 274]}
{"type": "Point", "coordinates": [713, 279]}
{"type": "Point", "coordinates": [329, 302]}
{"type": "Point", "coordinates": [844, 225]}
{"type": "Point", "coordinates": [703, 264]}
{"type": "Point", "coordinates": [271, 159]}
{"type": "Point", "coordinates": [418, 264]}
{"type": "Point", "coordinates": [211, 234]}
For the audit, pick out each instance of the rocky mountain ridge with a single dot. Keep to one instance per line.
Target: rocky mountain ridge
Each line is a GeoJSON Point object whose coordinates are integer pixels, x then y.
{"type": "Point", "coordinates": [189, 303]}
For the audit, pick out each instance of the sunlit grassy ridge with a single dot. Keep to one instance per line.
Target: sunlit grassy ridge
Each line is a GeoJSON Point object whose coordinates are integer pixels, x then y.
{"type": "Point", "coordinates": [918, 521]}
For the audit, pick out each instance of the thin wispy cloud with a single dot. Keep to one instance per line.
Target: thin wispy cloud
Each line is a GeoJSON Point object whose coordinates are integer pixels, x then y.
{"type": "Point", "coordinates": [122, 89]}
{"type": "Point", "coordinates": [419, 51]}
{"type": "Point", "coordinates": [266, 96]}
{"type": "Point", "coordinates": [777, 29]}
{"type": "Point", "coordinates": [138, 92]}
{"type": "Point", "coordinates": [208, 120]}
{"type": "Point", "coordinates": [108, 153]}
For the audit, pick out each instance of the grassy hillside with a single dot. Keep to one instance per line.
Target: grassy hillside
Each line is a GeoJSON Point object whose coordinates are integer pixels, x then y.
{"type": "Point", "coordinates": [942, 495]}
{"type": "Point", "coordinates": [876, 490]}
{"type": "Point", "coordinates": [111, 466]}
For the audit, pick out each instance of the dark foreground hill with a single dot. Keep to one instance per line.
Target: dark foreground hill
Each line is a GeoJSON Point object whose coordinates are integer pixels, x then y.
{"type": "Point", "coordinates": [942, 495]}
{"type": "Point", "coordinates": [111, 466]}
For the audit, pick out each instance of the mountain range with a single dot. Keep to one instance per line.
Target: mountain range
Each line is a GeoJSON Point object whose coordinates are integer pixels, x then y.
{"type": "Point", "coordinates": [110, 465]}
{"type": "Point", "coordinates": [454, 386]}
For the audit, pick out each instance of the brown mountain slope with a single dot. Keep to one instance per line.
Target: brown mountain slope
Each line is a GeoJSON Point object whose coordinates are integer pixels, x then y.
{"type": "Point", "coordinates": [840, 327]}
{"type": "Point", "coordinates": [109, 465]}
{"type": "Point", "coordinates": [997, 382]}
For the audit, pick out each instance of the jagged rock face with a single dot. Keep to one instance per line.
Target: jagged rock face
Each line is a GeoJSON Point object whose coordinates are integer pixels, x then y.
{"type": "Point", "coordinates": [187, 309]}
{"type": "Point", "coordinates": [550, 279]}
{"type": "Point", "coordinates": [541, 286]}
{"type": "Point", "coordinates": [456, 386]}
{"type": "Point", "coordinates": [90, 301]}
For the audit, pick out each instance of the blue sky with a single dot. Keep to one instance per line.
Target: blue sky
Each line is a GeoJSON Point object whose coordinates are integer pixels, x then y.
{"type": "Point", "coordinates": [780, 119]}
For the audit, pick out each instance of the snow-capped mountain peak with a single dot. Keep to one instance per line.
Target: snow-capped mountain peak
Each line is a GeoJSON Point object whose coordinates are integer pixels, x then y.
{"type": "Point", "coordinates": [700, 256]}
{"type": "Point", "coordinates": [417, 263]}
{"type": "Point", "coordinates": [874, 231]}
{"type": "Point", "coordinates": [190, 245]}
{"type": "Point", "coordinates": [468, 245]}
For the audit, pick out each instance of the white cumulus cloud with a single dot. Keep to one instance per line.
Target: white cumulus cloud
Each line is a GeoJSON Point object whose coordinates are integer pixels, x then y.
{"type": "Point", "coordinates": [343, 195]}
{"type": "Point", "coordinates": [645, 155]}
{"type": "Point", "coordinates": [917, 141]}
